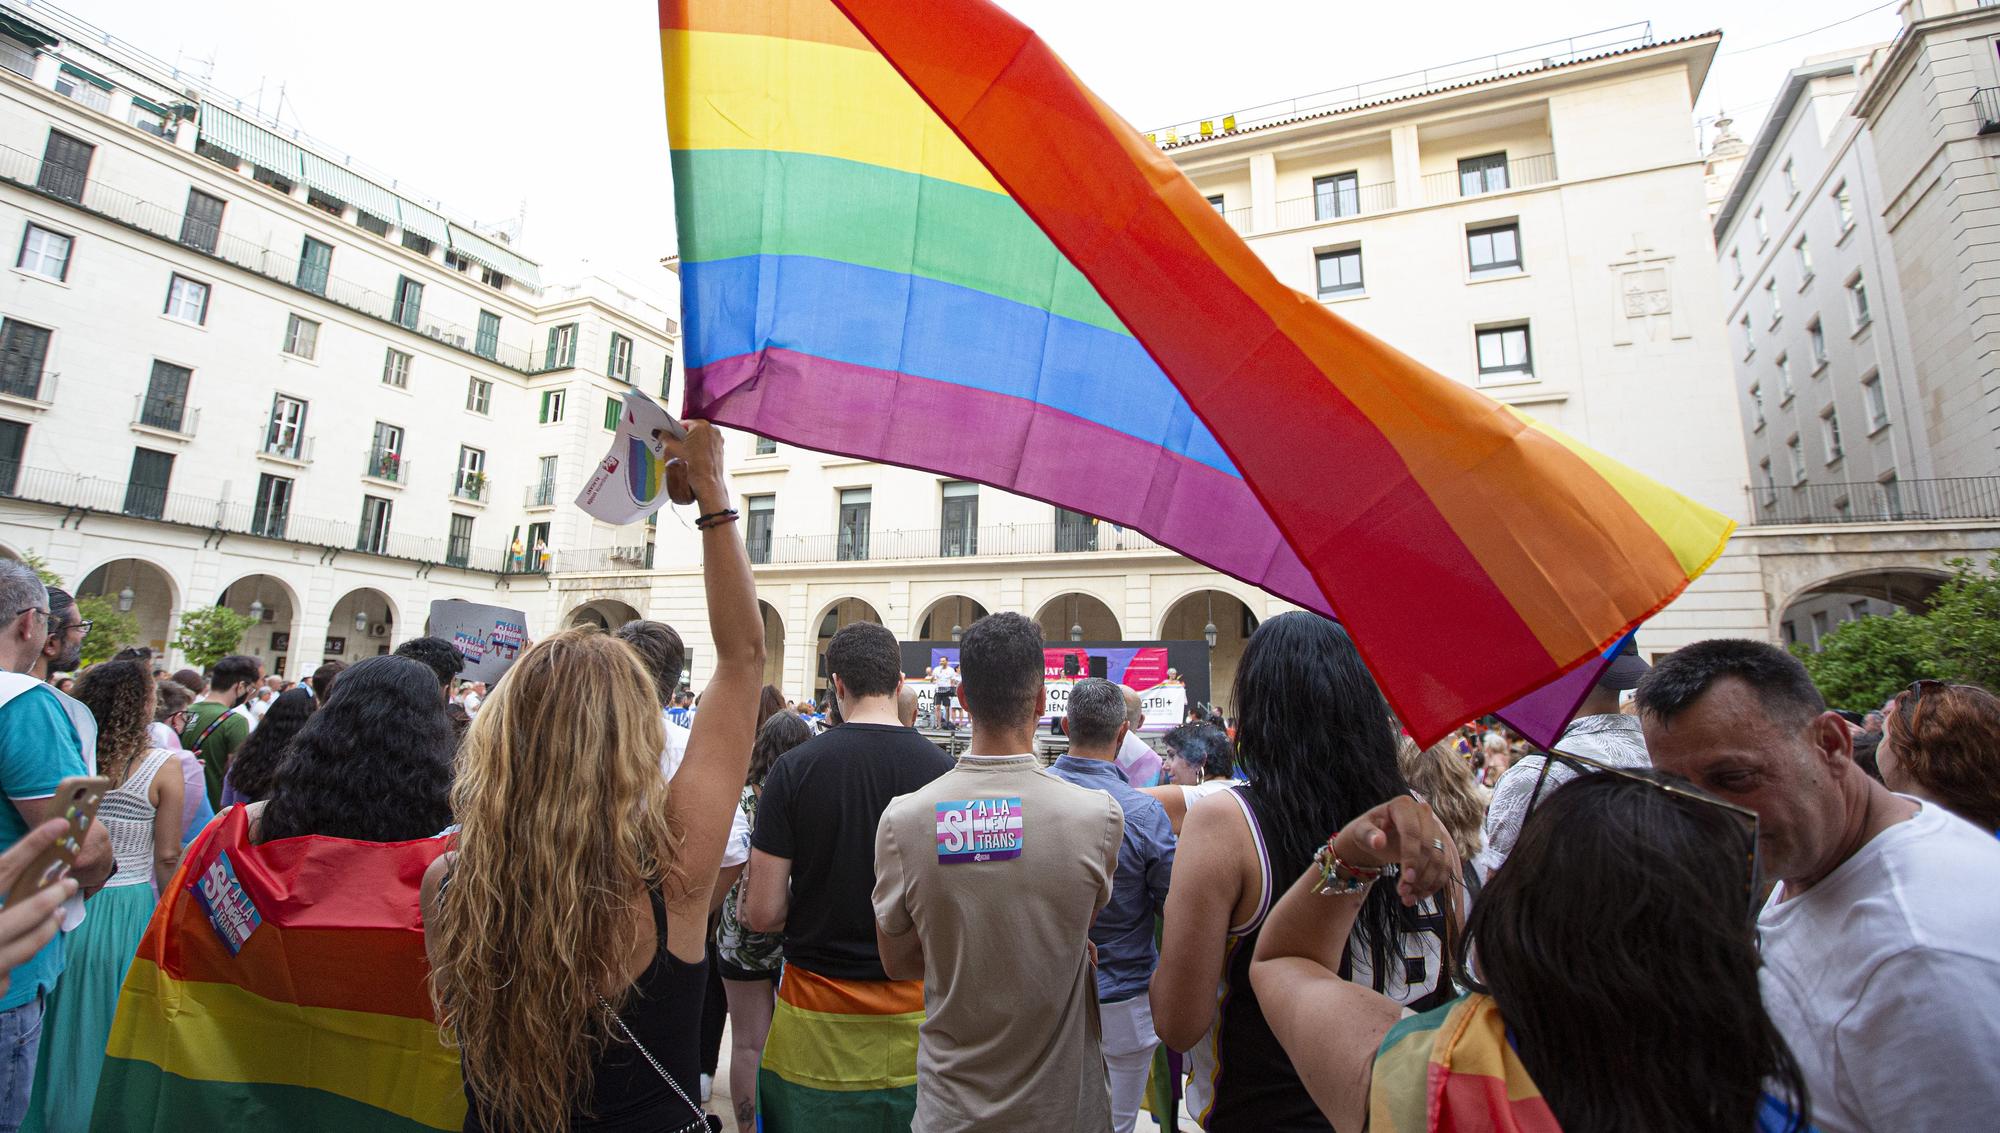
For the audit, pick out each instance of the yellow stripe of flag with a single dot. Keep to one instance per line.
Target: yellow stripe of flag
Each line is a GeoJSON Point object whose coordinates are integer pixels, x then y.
{"type": "Point", "coordinates": [842, 1052]}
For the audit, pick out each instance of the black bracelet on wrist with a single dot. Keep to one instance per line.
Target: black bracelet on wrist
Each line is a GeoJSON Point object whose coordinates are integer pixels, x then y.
{"type": "Point", "coordinates": [715, 519]}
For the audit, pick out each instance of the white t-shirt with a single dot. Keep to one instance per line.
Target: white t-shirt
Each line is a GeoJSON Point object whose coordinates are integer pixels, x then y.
{"type": "Point", "coordinates": [1205, 788]}
{"type": "Point", "coordinates": [737, 850]}
{"type": "Point", "coordinates": [1884, 979]}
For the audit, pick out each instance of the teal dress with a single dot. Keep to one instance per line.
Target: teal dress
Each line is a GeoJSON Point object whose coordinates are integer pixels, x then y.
{"type": "Point", "coordinates": [76, 1023]}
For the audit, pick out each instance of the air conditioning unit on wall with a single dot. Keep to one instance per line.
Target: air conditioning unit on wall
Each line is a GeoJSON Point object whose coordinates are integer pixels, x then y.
{"type": "Point", "coordinates": [378, 630]}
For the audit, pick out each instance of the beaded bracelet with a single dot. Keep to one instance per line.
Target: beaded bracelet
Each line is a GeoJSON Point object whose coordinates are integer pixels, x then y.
{"type": "Point", "coordinates": [1338, 878]}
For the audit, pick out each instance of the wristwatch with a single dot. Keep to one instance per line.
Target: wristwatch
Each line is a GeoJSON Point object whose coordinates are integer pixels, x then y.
{"type": "Point", "coordinates": [1337, 878]}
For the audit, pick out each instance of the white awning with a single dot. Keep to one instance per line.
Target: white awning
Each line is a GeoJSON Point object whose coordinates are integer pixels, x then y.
{"type": "Point", "coordinates": [249, 141]}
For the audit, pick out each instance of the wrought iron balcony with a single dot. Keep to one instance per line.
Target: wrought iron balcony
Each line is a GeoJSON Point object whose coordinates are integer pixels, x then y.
{"type": "Point", "coordinates": [1986, 103]}
{"type": "Point", "coordinates": [471, 486]}
{"type": "Point", "coordinates": [387, 465]}
{"type": "Point", "coordinates": [1337, 205]}
{"type": "Point", "coordinates": [1892, 501]}
{"type": "Point", "coordinates": [1519, 173]}
{"type": "Point", "coordinates": [165, 414]}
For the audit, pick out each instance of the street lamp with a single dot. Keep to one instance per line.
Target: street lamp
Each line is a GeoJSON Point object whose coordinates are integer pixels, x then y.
{"type": "Point", "coordinates": [256, 609]}
{"type": "Point", "coordinates": [125, 599]}
{"type": "Point", "coordinates": [1076, 632]}
{"type": "Point", "coordinates": [957, 633]}
{"type": "Point", "coordinates": [1208, 634]}
{"type": "Point", "coordinates": [360, 621]}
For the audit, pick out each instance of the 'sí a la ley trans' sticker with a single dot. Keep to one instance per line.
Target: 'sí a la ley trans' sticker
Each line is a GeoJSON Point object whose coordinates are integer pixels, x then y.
{"type": "Point", "coordinates": [979, 830]}
{"type": "Point", "coordinates": [230, 910]}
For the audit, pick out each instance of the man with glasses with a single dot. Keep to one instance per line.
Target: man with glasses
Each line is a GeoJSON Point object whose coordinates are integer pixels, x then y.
{"type": "Point", "coordinates": [62, 653]}
{"type": "Point", "coordinates": [39, 748]}
{"type": "Point", "coordinates": [1881, 943]}
{"type": "Point", "coordinates": [1599, 732]}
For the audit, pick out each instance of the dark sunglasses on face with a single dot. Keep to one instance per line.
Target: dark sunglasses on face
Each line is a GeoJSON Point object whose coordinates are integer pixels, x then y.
{"type": "Point", "coordinates": [1744, 816]}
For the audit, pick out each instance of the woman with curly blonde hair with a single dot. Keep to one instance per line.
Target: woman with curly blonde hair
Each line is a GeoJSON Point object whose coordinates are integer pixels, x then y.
{"type": "Point", "coordinates": [565, 932]}
{"type": "Point", "coordinates": [1444, 779]}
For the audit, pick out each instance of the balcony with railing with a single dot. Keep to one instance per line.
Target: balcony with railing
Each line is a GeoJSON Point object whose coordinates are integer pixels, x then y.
{"type": "Point", "coordinates": [168, 415]}
{"type": "Point", "coordinates": [294, 447]}
{"type": "Point", "coordinates": [471, 486]}
{"type": "Point", "coordinates": [386, 465]}
{"type": "Point", "coordinates": [1891, 501]}
{"type": "Point", "coordinates": [1986, 105]}
{"type": "Point", "coordinates": [1512, 173]}
{"type": "Point", "coordinates": [541, 493]}
{"type": "Point", "coordinates": [1238, 220]}
{"type": "Point", "coordinates": [943, 543]}
{"type": "Point", "coordinates": [27, 383]}
{"type": "Point", "coordinates": [168, 222]}
{"type": "Point", "coordinates": [143, 501]}
{"type": "Point", "coordinates": [1338, 205]}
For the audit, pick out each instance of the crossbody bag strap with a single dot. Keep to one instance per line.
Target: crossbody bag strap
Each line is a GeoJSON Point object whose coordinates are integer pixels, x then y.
{"type": "Point", "coordinates": [703, 1119]}
{"type": "Point", "coordinates": [210, 730]}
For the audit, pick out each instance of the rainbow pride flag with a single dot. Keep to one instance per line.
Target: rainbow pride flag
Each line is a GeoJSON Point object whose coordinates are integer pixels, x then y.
{"type": "Point", "coordinates": [282, 986]}
{"type": "Point", "coordinates": [841, 1054]}
{"type": "Point", "coordinates": [1450, 1070]}
{"type": "Point", "coordinates": [909, 234]}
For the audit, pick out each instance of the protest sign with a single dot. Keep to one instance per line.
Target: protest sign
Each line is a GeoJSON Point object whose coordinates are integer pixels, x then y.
{"type": "Point", "coordinates": [488, 637]}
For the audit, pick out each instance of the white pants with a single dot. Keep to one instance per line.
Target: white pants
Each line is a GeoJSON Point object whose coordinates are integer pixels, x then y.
{"type": "Point", "coordinates": [1129, 1040]}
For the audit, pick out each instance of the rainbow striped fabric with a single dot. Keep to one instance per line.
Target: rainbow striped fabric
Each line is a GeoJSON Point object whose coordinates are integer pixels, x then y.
{"type": "Point", "coordinates": [841, 1054]}
{"type": "Point", "coordinates": [1450, 1070]}
{"type": "Point", "coordinates": [909, 234]}
{"type": "Point", "coordinates": [282, 986]}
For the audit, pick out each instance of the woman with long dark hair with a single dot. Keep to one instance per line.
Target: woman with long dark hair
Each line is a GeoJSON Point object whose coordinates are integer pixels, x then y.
{"type": "Point", "coordinates": [253, 771]}
{"type": "Point", "coordinates": [373, 765]}
{"type": "Point", "coordinates": [1314, 739]}
{"type": "Point", "coordinates": [1619, 967]}
{"type": "Point", "coordinates": [142, 813]}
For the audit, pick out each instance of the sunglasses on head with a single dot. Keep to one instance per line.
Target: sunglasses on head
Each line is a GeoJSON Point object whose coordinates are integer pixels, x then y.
{"type": "Point", "coordinates": [1744, 816]}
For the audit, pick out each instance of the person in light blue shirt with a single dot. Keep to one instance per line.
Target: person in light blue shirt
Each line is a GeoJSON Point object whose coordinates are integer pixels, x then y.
{"type": "Point", "coordinates": [1123, 931]}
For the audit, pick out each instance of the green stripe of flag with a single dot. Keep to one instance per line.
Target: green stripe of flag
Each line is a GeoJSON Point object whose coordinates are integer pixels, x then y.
{"type": "Point", "coordinates": [139, 1097]}
{"type": "Point", "coordinates": [788, 1105]}
{"type": "Point", "coordinates": [763, 202]}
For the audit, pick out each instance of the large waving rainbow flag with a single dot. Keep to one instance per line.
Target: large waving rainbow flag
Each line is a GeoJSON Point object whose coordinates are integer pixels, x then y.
{"type": "Point", "coordinates": [909, 234]}
{"type": "Point", "coordinates": [282, 986]}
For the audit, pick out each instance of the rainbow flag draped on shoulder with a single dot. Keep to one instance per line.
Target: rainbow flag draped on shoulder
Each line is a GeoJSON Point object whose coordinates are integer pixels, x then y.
{"type": "Point", "coordinates": [282, 986]}
{"type": "Point", "coordinates": [1450, 1070]}
{"type": "Point", "coordinates": [908, 233]}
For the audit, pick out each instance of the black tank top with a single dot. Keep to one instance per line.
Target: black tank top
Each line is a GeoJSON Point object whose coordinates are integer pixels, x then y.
{"type": "Point", "coordinates": [1256, 1089]}
{"type": "Point", "coordinates": [664, 1013]}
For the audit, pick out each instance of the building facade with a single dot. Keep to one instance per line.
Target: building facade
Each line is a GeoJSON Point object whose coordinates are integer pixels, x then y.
{"type": "Point", "coordinates": [1857, 296]}
{"type": "Point", "coordinates": [1534, 230]}
{"type": "Point", "coordinates": [238, 370]}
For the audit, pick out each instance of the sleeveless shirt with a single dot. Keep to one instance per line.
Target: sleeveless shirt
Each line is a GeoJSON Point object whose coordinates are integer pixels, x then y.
{"type": "Point", "coordinates": [127, 816]}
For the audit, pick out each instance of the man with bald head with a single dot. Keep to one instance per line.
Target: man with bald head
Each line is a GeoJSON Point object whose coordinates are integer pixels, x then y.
{"type": "Point", "coordinates": [1881, 943]}
{"type": "Point", "coordinates": [1137, 760]}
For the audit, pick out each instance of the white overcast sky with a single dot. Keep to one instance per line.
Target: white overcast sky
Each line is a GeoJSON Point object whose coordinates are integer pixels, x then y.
{"type": "Point", "coordinates": [501, 106]}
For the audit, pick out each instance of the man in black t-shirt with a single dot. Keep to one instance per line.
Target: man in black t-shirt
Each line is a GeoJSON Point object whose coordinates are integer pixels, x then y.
{"type": "Point", "coordinates": [812, 877]}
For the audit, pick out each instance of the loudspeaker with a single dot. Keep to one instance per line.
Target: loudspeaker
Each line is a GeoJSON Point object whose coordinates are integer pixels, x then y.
{"type": "Point", "coordinates": [1070, 667]}
{"type": "Point", "coordinates": [1100, 667]}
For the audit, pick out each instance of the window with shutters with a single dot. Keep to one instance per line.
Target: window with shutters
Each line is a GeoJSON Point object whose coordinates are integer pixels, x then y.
{"type": "Point", "coordinates": [273, 506]}
{"type": "Point", "coordinates": [65, 166]}
{"type": "Point", "coordinates": [543, 492]}
{"type": "Point", "coordinates": [612, 408]}
{"type": "Point", "coordinates": [146, 488]}
{"type": "Point", "coordinates": [1876, 401]}
{"type": "Point", "coordinates": [958, 521]}
{"type": "Point", "coordinates": [276, 180]}
{"type": "Point", "coordinates": [478, 395]}
{"type": "Point", "coordinates": [396, 369]}
{"type": "Point", "coordinates": [855, 504]}
{"type": "Point", "coordinates": [385, 455]}
{"type": "Point", "coordinates": [619, 365]}
{"type": "Point", "coordinates": [458, 548]}
{"type": "Point", "coordinates": [165, 405]}
{"type": "Point", "coordinates": [369, 222]}
{"type": "Point", "coordinates": [470, 483]}
{"type": "Point", "coordinates": [409, 301]}
{"type": "Point", "coordinates": [301, 337]}
{"type": "Point", "coordinates": [761, 513]}
{"type": "Point", "coordinates": [286, 436]}
{"type": "Point", "coordinates": [486, 343]}
{"type": "Point", "coordinates": [315, 264]}
{"type": "Point", "coordinates": [421, 245]}
{"type": "Point", "coordinates": [553, 403]}
{"type": "Point", "coordinates": [24, 352]}
{"type": "Point", "coordinates": [493, 279]}
{"type": "Point", "coordinates": [374, 535]}
{"type": "Point", "coordinates": [187, 300]}
{"type": "Point", "coordinates": [201, 224]}
{"type": "Point", "coordinates": [562, 347]}
{"type": "Point", "coordinates": [45, 253]}
{"type": "Point", "coordinates": [666, 377]}
{"type": "Point", "coordinates": [13, 446]}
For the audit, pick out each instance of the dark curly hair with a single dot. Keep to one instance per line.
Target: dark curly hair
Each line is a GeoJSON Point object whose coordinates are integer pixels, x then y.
{"type": "Point", "coordinates": [253, 770]}
{"type": "Point", "coordinates": [374, 764]}
{"type": "Point", "coordinates": [120, 695]}
{"type": "Point", "coordinates": [779, 734]}
{"type": "Point", "coordinates": [441, 655]}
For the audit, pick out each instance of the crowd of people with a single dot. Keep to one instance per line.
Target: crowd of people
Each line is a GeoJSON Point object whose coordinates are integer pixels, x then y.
{"type": "Point", "coordinates": [1711, 904]}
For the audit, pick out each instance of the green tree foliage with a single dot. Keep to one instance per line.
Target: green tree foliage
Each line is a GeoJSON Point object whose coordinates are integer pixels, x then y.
{"type": "Point", "coordinates": [41, 567]}
{"type": "Point", "coordinates": [110, 630]}
{"type": "Point", "coordinates": [1868, 660]}
{"type": "Point", "coordinates": [210, 633]}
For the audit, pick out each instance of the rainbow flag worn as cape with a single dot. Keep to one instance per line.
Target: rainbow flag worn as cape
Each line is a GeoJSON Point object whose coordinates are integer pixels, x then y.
{"type": "Point", "coordinates": [1450, 1070]}
{"type": "Point", "coordinates": [283, 986]}
{"type": "Point", "coordinates": [909, 234]}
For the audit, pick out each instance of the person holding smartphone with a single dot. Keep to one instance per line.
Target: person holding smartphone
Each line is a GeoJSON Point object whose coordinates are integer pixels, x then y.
{"type": "Point", "coordinates": [584, 1010]}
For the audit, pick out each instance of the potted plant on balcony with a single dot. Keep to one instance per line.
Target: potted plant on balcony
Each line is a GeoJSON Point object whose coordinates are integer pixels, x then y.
{"type": "Point", "coordinates": [473, 486]}
{"type": "Point", "coordinates": [388, 465]}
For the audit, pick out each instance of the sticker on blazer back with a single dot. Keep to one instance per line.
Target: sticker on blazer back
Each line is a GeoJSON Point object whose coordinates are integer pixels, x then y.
{"type": "Point", "coordinates": [979, 830]}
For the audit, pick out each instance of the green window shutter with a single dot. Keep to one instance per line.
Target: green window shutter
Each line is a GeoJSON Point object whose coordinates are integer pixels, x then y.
{"type": "Point", "coordinates": [611, 410]}
{"type": "Point", "coordinates": [545, 407]}
{"type": "Point", "coordinates": [611, 360]}
{"type": "Point", "coordinates": [569, 356]}
{"type": "Point", "coordinates": [550, 362]}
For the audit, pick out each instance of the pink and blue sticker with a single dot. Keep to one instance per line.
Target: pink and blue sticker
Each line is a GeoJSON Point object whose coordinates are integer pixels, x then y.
{"type": "Point", "coordinates": [979, 830]}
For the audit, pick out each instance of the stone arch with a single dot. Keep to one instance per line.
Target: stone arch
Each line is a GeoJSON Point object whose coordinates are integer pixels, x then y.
{"type": "Point", "coordinates": [155, 598]}
{"type": "Point", "coordinates": [276, 632]}
{"type": "Point", "coordinates": [842, 611]}
{"type": "Point", "coordinates": [1073, 608]}
{"type": "Point", "coordinates": [944, 612]}
{"type": "Point", "coordinates": [604, 613]}
{"type": "Point", "coordinates": [1813, 610]}
{"type": "Point", "coordinates": [357, 643]}
{"type": "Point", "coordinates": [774, 647]}
{"type": "Point", "coordinates": [1187, 617]}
